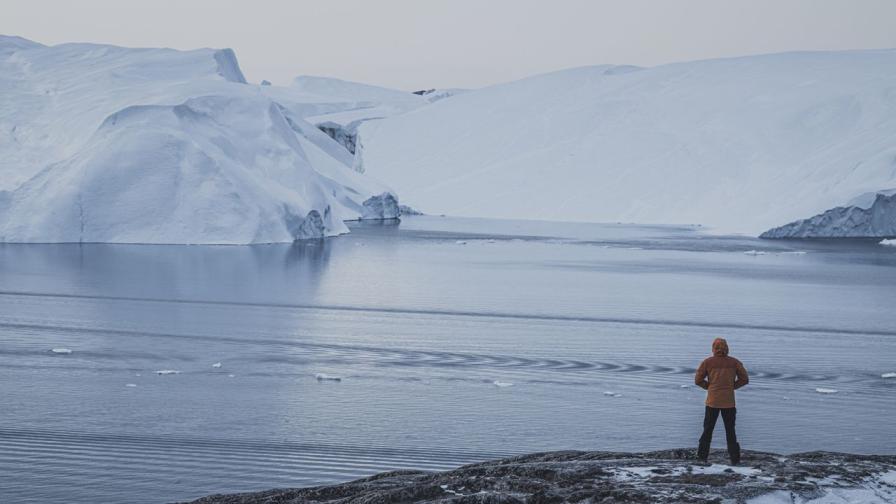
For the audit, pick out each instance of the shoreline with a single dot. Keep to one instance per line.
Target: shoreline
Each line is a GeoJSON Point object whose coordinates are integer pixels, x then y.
{"type": "Point", "coordinates": [591, 477]}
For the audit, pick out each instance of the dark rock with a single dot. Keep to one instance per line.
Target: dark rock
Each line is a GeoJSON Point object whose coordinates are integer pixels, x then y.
{"type": "Point", "coordinates": [596, 477]}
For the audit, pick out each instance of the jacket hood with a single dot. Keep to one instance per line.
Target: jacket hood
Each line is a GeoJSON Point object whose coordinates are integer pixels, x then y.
{"type": "Point", "coordinates": [720, 347]}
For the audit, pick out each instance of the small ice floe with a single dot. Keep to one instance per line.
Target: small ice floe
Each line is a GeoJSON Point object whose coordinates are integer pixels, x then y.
{"type": "Point", "coordinates": [502, 384]}
{"type": "Point", "coordinates": [461, 242]}
{"type": "Point", "coordinates": [231, 376]}
{"type": "Point", "coordinates": [216, 365]}
{"type": "Point", "coordinates": [888, 375]}
{"type": "Point", "coordinates": [610, 393]}
{"type": "Point", "coordinates": [684, 386]}
{"type": "Point", "coordinates": [795, 252]}
{"type": "Point", "coordinates": [137, 374]}
{"type": "Point", "coordinates": [755, 252]}
{"type": "Point", "coordinates": [130, 384]}
{"type": "Point", "coordinates": [822, 390]}
{"type": "Point", "coordinates": [162, 372]}
{"type": "Point", "coordinates": [64, 351]}
{"type": "Point", "coordinates": [889, 243]}
{"type": "Point", "coordinates": [322, 377]}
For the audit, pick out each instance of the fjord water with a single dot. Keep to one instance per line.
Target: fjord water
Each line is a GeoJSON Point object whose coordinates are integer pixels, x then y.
{"type": "Point", "coordinates": [455, 340]}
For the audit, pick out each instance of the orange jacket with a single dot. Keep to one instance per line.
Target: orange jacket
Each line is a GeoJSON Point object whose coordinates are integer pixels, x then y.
{"type": "Point", "coordinates": [721, 375]}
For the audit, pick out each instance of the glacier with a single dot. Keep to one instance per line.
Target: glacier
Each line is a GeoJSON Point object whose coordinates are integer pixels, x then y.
{"type": "Point", "coordinates": [108, 144]}
{"type": "Point", "coordinates": [737, 145]}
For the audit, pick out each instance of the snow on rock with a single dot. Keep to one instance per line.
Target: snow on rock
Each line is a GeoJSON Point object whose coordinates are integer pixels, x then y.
{"type": "Point", "coordinates": [109, 144]}
{"type": "Point", "coordinates": [739, 144]}
{"type": "Point", "coordinates": [877, 221]}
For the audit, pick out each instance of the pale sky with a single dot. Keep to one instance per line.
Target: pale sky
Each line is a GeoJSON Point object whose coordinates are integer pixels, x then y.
{"type": "Point", "coordinates": [414, 44]}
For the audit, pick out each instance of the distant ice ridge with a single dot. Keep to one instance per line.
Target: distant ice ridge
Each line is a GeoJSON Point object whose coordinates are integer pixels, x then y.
{"type": "Point", "coordinates": [739, 144]}
{"type": "Point", "coordinates": [109, 144]}
{"type": "Point", "coordinates": [875, 221]}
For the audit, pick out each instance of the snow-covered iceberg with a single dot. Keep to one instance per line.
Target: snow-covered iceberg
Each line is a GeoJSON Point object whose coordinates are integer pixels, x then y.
{"type": "Point", "coordinates": [739, 144]}
{"type": "Point", "coordinates": [108, 144]}
{"type": "Point", "coordinates": [877, 221]}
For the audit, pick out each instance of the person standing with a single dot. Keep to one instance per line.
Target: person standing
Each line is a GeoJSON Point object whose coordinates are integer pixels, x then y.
{"type": "Point", "coordinates": [720, 375]}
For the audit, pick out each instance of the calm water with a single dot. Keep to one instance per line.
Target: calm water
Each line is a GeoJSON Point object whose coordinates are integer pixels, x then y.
{"type": "Point", "coordinates": [455, 340]}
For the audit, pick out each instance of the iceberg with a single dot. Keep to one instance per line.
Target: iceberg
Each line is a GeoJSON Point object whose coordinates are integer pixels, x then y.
{"type": "Point", "coordinates": [878, 221]}
{"type": "Point", "coordinates": [117, 145]}
{"type": "Point", "coordinates": [738, 144]}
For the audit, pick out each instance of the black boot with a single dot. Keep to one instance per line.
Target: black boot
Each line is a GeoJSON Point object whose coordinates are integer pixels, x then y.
{"type": "Point", "coordinates": [734, 454]}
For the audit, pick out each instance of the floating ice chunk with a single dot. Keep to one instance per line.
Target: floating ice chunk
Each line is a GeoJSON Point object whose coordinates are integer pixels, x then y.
{"type": "Point", "coordinates": [610, 393]}
{"type": "Point", "coordinates": [889, 243]}
{"type": "Point", "coordinates": [167, 372]}
{"type": "Point", "coordinates": [130, 384]}
{"type": "Point", "coordinates": [461, 242]}
{"type": "Point", "coordinates": [231, 376]}
{"type": "Point", "coordinates": [65, 351]}
{"type": "Point", "coordinates": [498, 383]}
{"type": "Point", "coordinates": [216, 365]}
{"type": "Point", "coordinates": [755, 252]}
{"type": "Point", "coordinates": [491, 241]}
{"type": "Point", "coordinates": [888, 375]}
{"type": "Point", "coordinates": [325, 377]}
{"type": "Point", "coordinates": [795, 252]}
{"type": "Point", "coordinates": [684, 386]}
{"type": "Point", "coordinates": [822, 390]}
{"type": "Point", "coordinates": [138, 374]}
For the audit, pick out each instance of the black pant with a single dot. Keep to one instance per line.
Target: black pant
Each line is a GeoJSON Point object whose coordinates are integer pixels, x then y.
{"type": "Point", "coordinates": [709, 423]}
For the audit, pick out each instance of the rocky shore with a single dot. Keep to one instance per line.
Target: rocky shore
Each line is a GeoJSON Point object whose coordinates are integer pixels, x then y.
{"type": "Point", "coordinates": [605, 477]}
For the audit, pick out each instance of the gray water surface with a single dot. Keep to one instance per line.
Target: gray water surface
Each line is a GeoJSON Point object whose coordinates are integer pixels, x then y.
{"type": "Point", "coordinates": [455, 340]}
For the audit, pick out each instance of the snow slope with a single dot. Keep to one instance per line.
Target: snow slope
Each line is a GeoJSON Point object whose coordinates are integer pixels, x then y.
{"type": "Point", "coordinates": [108, 144]}
{"type": "Point", "coordinates": [740, 144]}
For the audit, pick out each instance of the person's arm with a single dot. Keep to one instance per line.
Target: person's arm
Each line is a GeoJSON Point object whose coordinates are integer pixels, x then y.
{"type": "Point", "coordinates": [700, 377]}
{"type": "Point", "coordinates": [742, 377]}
